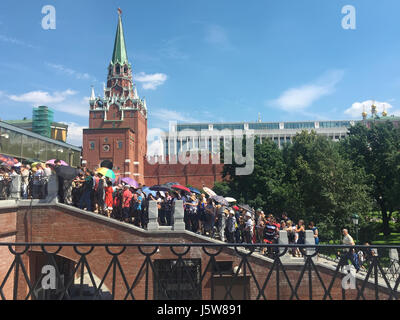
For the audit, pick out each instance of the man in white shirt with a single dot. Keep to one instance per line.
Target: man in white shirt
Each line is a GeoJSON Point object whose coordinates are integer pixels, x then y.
{"type": "Point", "coordinates": [350, 253]}
{"type": "Point", "coordinates": [248, 230]}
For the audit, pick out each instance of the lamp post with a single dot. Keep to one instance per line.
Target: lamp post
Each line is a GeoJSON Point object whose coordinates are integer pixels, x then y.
{"type": "Point", "coordinates": [355, 222]}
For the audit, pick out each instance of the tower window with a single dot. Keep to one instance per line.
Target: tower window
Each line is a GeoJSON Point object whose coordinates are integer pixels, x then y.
{"type": "Point", "coordinates": [117, 70]}
{"type": "Point", "coordinates": [91, 145]}
{"type": "Point", "coordinates": [120, 144]}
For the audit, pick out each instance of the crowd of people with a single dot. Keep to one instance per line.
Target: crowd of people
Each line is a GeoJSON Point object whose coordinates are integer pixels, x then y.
{"type": "Point", "coordinates": [203, 214]}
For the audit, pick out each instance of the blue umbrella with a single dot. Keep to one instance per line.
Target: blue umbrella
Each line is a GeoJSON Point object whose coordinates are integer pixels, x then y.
{"type": "Point", "coordinates": [194, 190]}
{"type": "Point", "coordinates": [147, 191]}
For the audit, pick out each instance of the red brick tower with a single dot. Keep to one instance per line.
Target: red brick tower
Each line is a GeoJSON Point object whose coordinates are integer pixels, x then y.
{"type": "Point", "coordinates": [118, 122]}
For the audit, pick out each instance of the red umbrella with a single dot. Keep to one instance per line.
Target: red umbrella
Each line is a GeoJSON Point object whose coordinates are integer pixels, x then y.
{"type": "Point", "coordinates": [179, 187]}
{"type": "Point", "coordinates": [7, 160]}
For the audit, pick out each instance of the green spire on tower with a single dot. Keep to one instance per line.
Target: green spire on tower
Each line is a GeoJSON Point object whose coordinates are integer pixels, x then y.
{"type": "Point", "coordinates": [119, 54]}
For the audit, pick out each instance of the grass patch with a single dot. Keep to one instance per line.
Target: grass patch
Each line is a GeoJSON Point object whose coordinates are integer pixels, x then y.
{"type": "Point", "coordinates": [393, 239]}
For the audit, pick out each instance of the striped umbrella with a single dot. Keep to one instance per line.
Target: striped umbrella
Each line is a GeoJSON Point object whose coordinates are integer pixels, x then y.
{"type": "Point", "coordinates": [106, 172]}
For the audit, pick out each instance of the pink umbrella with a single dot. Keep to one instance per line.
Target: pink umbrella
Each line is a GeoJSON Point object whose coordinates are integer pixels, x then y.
{"type": "Point", "coordinates": [63, 163]}
{"type": "Point", "coordinates": [131, 182]}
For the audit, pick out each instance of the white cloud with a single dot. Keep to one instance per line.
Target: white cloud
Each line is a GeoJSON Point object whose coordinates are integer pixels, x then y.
{"type": "Point", "coordinates": [357, 108]}
{"type": "Point", "coordinates": [65, 101]}
{"type": "Point", "coordinates": [71, 72]}
{"type": "Point", "coordinates": [75, 133]}
{"type": "Point", "coordinates": [300, 98]}
{"type": "Point", "coordinates": [42, 97]}
{"type": "Point", "coordinates": [78, 107]}
{"type": "Point", "coordinates": [167, 115]}
{"type": "Point", "coordinates": [150, 81]}
{"type": "Point", "coordinates": [154, 146]}
{"type": "Point", "coordinates": [15, 41]}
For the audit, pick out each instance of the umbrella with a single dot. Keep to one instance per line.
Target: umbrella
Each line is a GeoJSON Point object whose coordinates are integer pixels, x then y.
{"type": "Point", "coordinates": [209, 191]}
{"type": "Point", "coordinates": [246, 207]}
{"type": "Point", "coordinates": [179, 187]}
{"type": "Point", "coordinates": [235, 208]}
{"type": "Point", "coordinates": [220, 200]}
{"type": "Point", "coordinates": [63, 163]}
{"type": "Point", "coordinates": [160, 188]}
{"type": "Point", "coordinates": [195, 190]}
{"type": "Point", "coordinates": [106, 172]}
{"type": "Point", "coordinates": [131, 182]}
{"type": "Point", "coordinates": [170, 184]}
{"type": "Point", "coordinates": [107, 164]}
{"type": "Point", "coordinates": [147, 191]}
{"type": "Point", "coordinates": [229, 199]}
{"type": "Point", "coordinates": [35, 164]}
{"type": "Point", "coordinates": [67, 172]}
{"type": "Point", "coordinates": [7, 160]}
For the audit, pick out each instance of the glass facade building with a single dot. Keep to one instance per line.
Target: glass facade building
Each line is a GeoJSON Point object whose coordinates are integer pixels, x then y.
{"type": "Point", "coordinates": [27, 145]}
{"type": "Point", "coordinates": [208, 138]}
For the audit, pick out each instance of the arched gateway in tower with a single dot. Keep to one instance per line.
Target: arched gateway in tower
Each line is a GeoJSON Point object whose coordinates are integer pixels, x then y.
{"type": "Point", "coordinates": [118, 121]}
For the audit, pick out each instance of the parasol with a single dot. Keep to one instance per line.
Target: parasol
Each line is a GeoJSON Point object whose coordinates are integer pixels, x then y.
{"type": "Point", "coordinates": [7, 160]}
{"type": "Point", "coordinates": [106, 164]}
{"type": "Point", "coordinates": [220, 200]}
{"type": "Point", "coordinates": [194, 190]}
{"type": "Point", "coordinates": [67, 172]}
{"type": "Point", "coordinates": [229, 199]}
{"type": "Point", "coordinates": [160, 188]}
{"type": "Point", "coordinates": [147, 191]}
{"type": "Point", "coordinates": [179, 187]}
{"type": "Point", "coordinates": [246, 207]}
{"type": "Point", "coordinates": [106, 172]}
{"type": "Point", "coordinates": [209, 191]}
{"type": "Point", "coordinates": [63, 163]}
{"type": "Point", "coordinates": [131, 182]}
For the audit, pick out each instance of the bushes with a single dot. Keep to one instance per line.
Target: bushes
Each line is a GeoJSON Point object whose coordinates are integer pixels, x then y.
{"type": "Point", "coordinates": [369, 231]}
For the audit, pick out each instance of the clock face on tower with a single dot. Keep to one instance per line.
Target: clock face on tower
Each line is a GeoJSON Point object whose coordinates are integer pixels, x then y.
{"type": "Point", "coordinates": [106, 147]}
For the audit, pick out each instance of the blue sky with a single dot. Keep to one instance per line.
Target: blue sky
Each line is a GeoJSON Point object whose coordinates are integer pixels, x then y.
{"type": "Point", "coordinates": [204, 60]}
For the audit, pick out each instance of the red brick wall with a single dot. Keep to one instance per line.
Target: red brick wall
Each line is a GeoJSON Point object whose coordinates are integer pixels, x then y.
{"type": "Point", "coordinates": [195, 175]}
{"type": "Point", "coordinates": [56, 224]}
{"type": "Point", "coordinates": [8, 230]}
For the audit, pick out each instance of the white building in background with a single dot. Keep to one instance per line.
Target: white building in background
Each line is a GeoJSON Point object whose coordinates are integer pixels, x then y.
{"type": "Point", "coordinates": [186, 137]}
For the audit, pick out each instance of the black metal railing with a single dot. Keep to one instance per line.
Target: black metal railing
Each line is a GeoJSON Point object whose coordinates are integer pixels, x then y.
{"type": "Point", "coordinates": [193, 271]}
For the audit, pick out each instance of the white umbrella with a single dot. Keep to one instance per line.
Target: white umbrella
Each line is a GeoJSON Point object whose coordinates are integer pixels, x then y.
{"type": "Point", "coordinates": [209, 191]}
{"type": "Point", "coordinates": [230, 199]}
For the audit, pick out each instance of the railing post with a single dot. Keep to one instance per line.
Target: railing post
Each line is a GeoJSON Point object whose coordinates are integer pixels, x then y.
{"type": "Point", "coordinates": [52, 188]}
{"type": "Point", "coordinates": [393, 255]}
{"type": "Point", "coordinates": [179, 224]}
{"type": "Point", "coordinates": [283, 240]}
{"type": "Point", "coordinates": [310, 240]}
{"type": "Point", "coordinates": [15, 187]}
{"type": "Point", "coordinates": [153, 216]}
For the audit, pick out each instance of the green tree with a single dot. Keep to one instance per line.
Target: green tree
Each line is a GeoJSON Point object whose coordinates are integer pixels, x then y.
{"type": "Point", "coordinates": [376, 150]}
{"type": "Point", "coordinates": [321, 185]}
{"type": "Point", "coordinates": [263, 188]}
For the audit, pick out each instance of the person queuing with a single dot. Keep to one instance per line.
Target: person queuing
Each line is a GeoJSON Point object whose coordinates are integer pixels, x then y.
{"type": "Point", "coordinates": [202, 215]}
